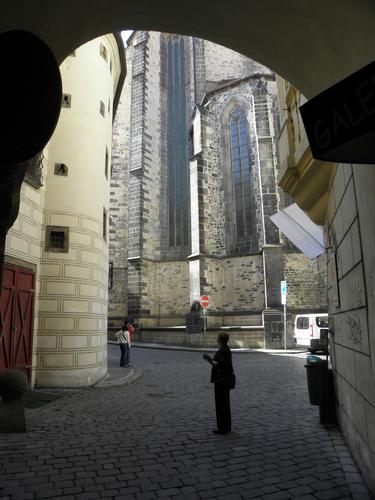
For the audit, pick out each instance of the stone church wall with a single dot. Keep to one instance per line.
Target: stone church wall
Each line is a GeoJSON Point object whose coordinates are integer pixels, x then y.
{"type": "Point", "coordinates": [144, 168]}
{"type": "Point", "coordinates": [172, 291]}
{"type": "Point", "coordinates": [225, 64]}
{"type": "Point", "coordinates": [118, 219]}
{"type": "Point", "coordinates": [235, 284]}
{"type": "Point", "coordinates": [307, 285]}
{"type": "Point", "coordinates": [152, 149]}
{"type": "Point", "coordinates": [264, 94]}
{"type": "Point", "coordinates": [165, 291]}
{"type": "Point", "coordinates": [218, 196]}
{"type": "Point", "coordinates": [159, 284]}
{"type": "Point", "coordinates": [213, 205]}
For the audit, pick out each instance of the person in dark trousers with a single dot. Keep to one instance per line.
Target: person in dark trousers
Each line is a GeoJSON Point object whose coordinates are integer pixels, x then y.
{"type": "Point", "coordinates": [123, 338]}
{"type": "Point", "coordinates": [221, 374]}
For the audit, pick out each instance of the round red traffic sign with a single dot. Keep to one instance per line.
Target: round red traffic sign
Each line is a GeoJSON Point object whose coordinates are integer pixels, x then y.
{"type": "Point", "coordinates": [204, 301]}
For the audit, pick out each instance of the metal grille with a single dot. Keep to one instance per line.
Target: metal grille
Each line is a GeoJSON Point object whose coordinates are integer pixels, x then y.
{"type": "Point", "coordinates": [34, 172]}
{"type": "Point", "coordinates": [57, 239]}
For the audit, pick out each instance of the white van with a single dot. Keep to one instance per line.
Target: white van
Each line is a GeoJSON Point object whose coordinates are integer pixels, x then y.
{"type": "Point", "coordinates": [307, 331]}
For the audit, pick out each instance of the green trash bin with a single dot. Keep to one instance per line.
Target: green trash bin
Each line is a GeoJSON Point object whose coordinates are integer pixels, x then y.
{"type": "Point", "coordinates": [316, 370]}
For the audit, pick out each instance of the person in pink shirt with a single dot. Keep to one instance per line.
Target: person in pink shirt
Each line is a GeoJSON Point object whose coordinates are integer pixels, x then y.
{"type": "Point", "coordinates": [123, 338]}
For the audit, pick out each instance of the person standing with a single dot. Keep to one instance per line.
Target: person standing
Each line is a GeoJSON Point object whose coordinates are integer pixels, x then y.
{"type": "Point", "coordinates": [222, 376]}
{"type": "Point", "coordinates": [123, 338]}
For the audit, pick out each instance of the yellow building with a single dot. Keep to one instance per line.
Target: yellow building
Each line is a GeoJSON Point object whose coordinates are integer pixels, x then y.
{"type": "Point", "coordinates": [57, 250]}
{"type": "Point", "coordinates": [303, 177]}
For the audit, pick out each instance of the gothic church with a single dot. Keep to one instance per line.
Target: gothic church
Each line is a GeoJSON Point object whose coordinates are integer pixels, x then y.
{"type": "Point", "coordinates": [194, 181]}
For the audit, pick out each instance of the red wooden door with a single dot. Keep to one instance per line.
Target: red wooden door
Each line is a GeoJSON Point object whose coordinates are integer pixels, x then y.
{"type": "Point", "coordinates": [16, 319]}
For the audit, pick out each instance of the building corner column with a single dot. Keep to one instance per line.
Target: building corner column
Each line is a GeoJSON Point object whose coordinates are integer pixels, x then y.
{"type": "Point", "coordinates": [273, 269]}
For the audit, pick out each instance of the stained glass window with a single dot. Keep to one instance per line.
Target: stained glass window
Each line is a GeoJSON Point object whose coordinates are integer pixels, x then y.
{"type": "Point", "coordinates": [177, 145]}
{"type": "Point", "coordinates": [240, 163]}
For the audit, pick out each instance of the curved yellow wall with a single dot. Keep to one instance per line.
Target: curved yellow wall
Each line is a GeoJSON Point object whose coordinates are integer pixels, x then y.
{"type": "Point", "coordinates": [72, 337]}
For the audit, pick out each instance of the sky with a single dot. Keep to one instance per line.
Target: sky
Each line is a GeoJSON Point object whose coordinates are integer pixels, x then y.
{"type": "Point", "coordinates": [125, 35]}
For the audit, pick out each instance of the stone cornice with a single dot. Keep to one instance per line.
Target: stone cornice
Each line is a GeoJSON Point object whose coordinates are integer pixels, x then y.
{"type": "Point", "coordinates": [307, 181]}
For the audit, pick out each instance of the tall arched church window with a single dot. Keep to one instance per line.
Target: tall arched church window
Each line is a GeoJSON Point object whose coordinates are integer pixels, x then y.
{"type": "Point", "coordinates": [177, 145]}
{"type": "Point", "coordinates": [240, 163]}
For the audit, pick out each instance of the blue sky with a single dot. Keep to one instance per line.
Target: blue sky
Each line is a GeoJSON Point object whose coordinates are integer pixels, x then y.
{"type": "Point", "coordinates": [126, 34]}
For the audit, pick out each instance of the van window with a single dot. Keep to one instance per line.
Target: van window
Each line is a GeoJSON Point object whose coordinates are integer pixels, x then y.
{"type": "Point", "coordinates": [321, 322]}
{"type": "Point", "coordinates": [302, 323]}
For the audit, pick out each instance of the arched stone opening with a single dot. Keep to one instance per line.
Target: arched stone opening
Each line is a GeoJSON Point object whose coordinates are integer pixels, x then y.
{"type": "Point", "coordinates": [311, 47]}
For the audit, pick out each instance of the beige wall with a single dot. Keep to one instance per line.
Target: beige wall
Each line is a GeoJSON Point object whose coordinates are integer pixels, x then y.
{"type": "Point", "coordinates": [70, 318]}
{"type": "Point", "coordinates": [73, 286]}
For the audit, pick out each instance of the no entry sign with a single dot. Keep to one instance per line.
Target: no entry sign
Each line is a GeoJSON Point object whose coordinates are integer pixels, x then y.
{"type": "Point", "coordinates": [204, 301]}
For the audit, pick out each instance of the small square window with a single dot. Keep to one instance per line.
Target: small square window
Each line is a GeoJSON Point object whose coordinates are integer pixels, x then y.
{"type": "Point", "coordinates": [105, 224]}
{"type": "Point", "coordinates": [57, 239]}
{"type": "Point", "coordinates": [103, 51]}
{"type": "Point", "coordinates": [61, 169]}
{"type": "Point", "coordinates": [106, 163]}
{"type": "Point", "coordinates": [102, 108]}
{"type": "Point", "coordinates": [66, 101]}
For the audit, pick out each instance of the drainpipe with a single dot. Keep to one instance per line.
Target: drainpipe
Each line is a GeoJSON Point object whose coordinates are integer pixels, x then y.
{"type": "Point", "coordinates": [262, 213]}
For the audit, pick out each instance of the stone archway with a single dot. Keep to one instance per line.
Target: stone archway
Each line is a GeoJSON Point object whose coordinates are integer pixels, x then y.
{"type": "Point", "coordinates": [312, 46]}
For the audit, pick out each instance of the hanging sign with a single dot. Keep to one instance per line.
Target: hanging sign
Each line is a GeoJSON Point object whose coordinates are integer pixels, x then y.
{"type": "Point", "coordinates": [340, 122]}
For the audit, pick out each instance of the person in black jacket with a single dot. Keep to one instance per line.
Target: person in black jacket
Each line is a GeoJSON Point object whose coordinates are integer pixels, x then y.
{"type": "Point", "coordinates": [221, 373]}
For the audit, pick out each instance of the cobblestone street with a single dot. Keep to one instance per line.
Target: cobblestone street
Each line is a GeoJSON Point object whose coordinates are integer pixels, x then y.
{"type": "Point", "coordinates": [153, 438]}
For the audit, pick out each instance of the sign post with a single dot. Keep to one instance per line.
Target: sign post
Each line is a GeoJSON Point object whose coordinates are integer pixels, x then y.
{"type": "Point", "coordinates": [204, 301]}
{"type": "Point", "coordinates": [283, 289]}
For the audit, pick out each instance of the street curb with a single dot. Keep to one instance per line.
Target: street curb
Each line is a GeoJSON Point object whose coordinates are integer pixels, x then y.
{"type": "Point", "coordinates": [129, 378]}
{"type": "Point", "coordinates": [213, 349]}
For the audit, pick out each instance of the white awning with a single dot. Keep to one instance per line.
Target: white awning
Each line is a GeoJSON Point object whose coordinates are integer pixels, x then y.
{"type": "Point", "coordinates": [301, 230]}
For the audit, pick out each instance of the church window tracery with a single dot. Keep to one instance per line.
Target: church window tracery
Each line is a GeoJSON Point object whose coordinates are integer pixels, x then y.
{"type": "Point", "coordinates": [240, 166]}
{"type": "Point", "coordinates": [177, 145]}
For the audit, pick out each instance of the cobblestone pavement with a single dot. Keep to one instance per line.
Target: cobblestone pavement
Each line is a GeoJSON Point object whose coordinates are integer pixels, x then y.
{"type": "Point", "coordinates": [152, 439]}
